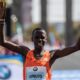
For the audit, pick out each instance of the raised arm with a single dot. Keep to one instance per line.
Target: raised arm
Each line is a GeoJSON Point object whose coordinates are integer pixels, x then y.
{"type": "Point", "coordinates": [64, 52]}
{"type": "Point", "coordinates": [9, 45]}
{"type": "Point", "coordinates": [69, 50]}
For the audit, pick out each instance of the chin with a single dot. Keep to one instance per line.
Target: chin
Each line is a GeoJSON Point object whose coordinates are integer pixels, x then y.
{"type": "Point", "coordinates": [41, 47]}
{"type": "Point", "coordinates": [38, 46]}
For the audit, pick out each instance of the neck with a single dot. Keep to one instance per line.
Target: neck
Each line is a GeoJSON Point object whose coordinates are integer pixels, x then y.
{"type": "Point", "coordinates": [38, 50]}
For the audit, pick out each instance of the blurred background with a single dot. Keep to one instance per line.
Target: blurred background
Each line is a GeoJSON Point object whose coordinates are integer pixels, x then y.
{"type": "Point", "coordinates": [60, 19]}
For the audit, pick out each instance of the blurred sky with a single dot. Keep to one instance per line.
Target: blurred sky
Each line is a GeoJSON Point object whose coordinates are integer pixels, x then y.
{"type": "Point", "coordinates": [55, 10]}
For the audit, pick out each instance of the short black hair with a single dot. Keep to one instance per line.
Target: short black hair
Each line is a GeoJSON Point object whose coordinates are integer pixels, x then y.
{"type": "Point", "coordinates": [36, 29]}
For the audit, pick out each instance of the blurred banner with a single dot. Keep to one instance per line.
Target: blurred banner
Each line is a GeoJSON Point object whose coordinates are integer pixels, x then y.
{"type": "Point", "coordinates": [66, 75]}
{"type": "Point", "coordinates": [11, 67]}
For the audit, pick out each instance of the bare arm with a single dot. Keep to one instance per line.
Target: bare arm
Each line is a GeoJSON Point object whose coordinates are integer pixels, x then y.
{"type": "Point", "coordinates": [64, 52]}
{"type": "Point", "coordinates": [9, 45]}
{"type": "Point", "coordinates": [69, 50]}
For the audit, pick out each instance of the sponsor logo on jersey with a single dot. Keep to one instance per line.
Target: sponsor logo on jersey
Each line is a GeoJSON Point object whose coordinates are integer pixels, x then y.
{"type": "Point", "coordinates": [35, 69]}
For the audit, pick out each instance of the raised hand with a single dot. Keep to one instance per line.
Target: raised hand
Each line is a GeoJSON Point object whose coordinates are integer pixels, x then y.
{"type": "Point", "coordinates": [2, 11]}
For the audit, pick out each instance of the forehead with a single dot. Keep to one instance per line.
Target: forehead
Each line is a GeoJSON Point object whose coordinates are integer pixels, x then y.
{"type": "Point", "coordinates": [39, 32]}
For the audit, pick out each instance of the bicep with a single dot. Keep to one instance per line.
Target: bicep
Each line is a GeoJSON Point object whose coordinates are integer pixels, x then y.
{"type": "Point", "coordinates": [61, 53]}
{"type": "Point", "coordinates": [65, 52]}
{"type": "Point", "coordinates": [14, 47]}
{"type": "Point", "coordinates": [11, 46]}
{"type": "Point", "coordinates": [56, 54]}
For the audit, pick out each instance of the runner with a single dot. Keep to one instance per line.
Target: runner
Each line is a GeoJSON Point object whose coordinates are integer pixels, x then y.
{"type": "Point", "coordinates": [37, 62]}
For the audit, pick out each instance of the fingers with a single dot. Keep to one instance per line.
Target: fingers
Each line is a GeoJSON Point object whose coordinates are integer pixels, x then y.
{"type": "Point", "coordinates": [2, 10]}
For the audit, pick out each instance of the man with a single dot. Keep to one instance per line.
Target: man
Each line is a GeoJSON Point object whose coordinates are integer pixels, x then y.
{"type": "Point", "coordinates": [37, 62]}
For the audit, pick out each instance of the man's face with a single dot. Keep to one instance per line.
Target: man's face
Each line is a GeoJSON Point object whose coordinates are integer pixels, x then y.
{"type": "Point", "coordinates": [39, 38]}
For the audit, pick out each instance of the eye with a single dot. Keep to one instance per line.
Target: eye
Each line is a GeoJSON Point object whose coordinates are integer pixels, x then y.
{"type": "Point", "coordinates": [43, 37]}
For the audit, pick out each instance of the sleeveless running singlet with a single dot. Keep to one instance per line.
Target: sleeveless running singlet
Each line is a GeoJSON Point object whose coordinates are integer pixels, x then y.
{"type": "Point", "coordinates": [37, 69]}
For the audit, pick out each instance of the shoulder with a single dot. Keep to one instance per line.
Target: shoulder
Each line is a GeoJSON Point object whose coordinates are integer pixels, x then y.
{"type": "Point", "coordinates": [24, 49]}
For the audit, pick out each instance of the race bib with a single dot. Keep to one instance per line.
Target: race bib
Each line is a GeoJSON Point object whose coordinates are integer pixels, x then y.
{"type": "Point", "coordinates": [36, 73]}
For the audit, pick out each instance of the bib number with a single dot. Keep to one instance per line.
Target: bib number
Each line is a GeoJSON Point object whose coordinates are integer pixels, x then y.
{"type": "Point", "coordinates": [36, 73]}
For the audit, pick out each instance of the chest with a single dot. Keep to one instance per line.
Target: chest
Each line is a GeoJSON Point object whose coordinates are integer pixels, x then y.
{"type": "Point", "coordinates": [32, 61]}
